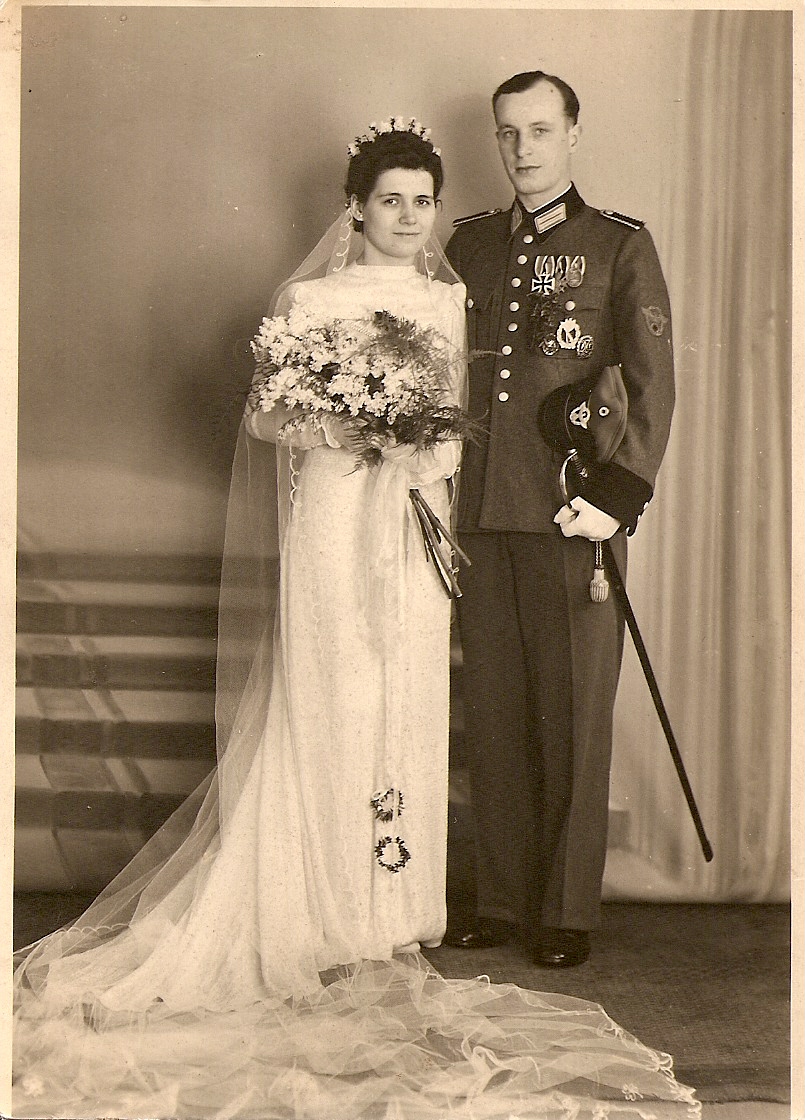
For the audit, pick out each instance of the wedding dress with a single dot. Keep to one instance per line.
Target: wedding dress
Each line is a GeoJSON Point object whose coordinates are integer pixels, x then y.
{"type": "Point", "coordinates": [262, 959]}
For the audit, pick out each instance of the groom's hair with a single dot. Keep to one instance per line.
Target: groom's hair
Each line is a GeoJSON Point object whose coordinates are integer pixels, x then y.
{"type": "Point", "coordinates": [387, 152]}
{"type": "Point", "coordinates": [530, 78]}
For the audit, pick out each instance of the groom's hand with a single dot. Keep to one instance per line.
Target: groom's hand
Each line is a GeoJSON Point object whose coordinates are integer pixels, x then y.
{"type": "Point", "coordinates": [581, 519]}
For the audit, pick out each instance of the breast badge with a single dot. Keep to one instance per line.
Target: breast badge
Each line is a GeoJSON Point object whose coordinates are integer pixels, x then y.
{"type": "Point", "coordinates": [568, 334]}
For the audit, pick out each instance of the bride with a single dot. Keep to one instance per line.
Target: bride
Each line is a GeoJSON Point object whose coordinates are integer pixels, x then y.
{"type": "Point", "coordinates": [261, 956]}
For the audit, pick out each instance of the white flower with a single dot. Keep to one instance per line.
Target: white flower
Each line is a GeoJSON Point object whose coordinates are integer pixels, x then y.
{"type": "Point", "coordinates": [385, 126]}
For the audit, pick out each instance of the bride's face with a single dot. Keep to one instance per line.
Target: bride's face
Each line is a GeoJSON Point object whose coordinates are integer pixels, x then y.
{"type": "Point", "coordinates": [397, 216]}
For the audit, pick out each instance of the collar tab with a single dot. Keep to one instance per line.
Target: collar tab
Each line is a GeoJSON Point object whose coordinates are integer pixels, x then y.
{"type": "Point", "coordinates": [549, 215]}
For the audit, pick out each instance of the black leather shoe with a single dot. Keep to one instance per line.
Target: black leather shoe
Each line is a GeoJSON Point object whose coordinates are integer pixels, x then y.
{"type": "Point", "coordinates": [485, 933]}
{"type": "Point", "coordinates": [561, 948]}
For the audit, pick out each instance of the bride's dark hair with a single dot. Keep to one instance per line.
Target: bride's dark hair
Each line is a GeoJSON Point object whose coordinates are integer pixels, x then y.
{"type": "Point", "coordinates": [387, 152]}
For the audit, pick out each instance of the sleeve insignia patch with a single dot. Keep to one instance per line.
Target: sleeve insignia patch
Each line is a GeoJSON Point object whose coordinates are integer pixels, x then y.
{"type": "Point", "coordinates": [655, 320]}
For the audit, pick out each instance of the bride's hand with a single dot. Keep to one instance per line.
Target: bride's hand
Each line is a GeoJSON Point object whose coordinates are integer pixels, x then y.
{"type": "Point", "coordinates": [439, 461]}
{"type": "Point", "coordinates": [341, 433]}
{"type": "Point", "coordinates": [268, 425]}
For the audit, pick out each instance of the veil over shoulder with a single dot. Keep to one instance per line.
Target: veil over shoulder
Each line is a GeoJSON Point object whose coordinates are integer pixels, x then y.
{"type": "Point", "coordinates": [245, 965]}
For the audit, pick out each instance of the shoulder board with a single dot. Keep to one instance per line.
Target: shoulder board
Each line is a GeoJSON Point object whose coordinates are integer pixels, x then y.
{"type": "Point", "coordinates": [614, 216]}
{"type": "Point", "coordinates": [475, 217]}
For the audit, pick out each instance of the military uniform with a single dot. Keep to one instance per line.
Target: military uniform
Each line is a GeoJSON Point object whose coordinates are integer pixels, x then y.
{"type": "Point", "coordinates": [552, 297]}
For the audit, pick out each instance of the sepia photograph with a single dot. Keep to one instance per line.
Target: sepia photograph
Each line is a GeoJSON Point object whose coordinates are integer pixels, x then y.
{"type": "Point", "coordinates": [400, 592]}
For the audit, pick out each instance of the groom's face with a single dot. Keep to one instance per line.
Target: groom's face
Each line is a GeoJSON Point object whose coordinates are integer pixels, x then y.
{"type": "Point", "coordinates": [536, 140]}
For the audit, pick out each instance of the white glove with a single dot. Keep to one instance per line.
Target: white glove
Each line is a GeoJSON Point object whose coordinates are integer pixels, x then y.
{"type": "Point", "coordinates": [580, 519]}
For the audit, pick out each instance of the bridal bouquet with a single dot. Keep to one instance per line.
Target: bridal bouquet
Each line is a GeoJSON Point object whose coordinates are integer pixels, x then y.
{"type": "Point", "coordinates": [386, 377]}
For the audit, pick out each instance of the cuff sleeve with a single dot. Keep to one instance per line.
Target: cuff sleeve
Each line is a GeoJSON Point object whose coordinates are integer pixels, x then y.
{"type": "Point", "coordinates": [618, 492]}
{"type": "Point", "coordinates": [280, 426]}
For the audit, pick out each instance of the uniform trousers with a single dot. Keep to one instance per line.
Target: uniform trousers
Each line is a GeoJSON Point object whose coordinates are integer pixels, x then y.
{"type": "Point", "coordinates": [541, 666]}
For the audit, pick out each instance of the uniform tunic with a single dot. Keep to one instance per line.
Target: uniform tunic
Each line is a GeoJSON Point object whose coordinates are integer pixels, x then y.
{"type": "Point", "coordinates": [553, 298]}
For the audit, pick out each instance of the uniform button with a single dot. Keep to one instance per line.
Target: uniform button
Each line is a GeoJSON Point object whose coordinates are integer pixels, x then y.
{"type": "Point", "coordinates": [570, 305]}
{"type": "Point", "coordinates": [522, 258]}
{"type": "Point", "coordinates": [528, 239]}
{"type": "Point", "coordinates": [503, 396]}
{"type": "Point", "coordinates": [512, 327]}
{"type": "Point", "coordinates": [505, 374]}
{"type": "Point", "coordinates": [506, 350]}
{"type": "Point", "coordinates": [514, 306]}
{"type": "Point", "coordinates": [516, 282]}
{"type": "Point", "coordinates": [470, 303]}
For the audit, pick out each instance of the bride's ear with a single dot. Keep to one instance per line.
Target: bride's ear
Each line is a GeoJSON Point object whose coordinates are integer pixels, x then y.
{"type": "Point", "coordinates": [355, 209]}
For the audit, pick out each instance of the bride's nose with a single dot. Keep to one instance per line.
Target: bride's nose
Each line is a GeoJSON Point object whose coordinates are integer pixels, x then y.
{"type": "Point", "coordinates": [407, 215]}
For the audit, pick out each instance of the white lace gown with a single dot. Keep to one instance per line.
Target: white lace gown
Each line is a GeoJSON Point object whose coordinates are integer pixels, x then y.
{"type": "Point", "coordinates": [217, 1002]}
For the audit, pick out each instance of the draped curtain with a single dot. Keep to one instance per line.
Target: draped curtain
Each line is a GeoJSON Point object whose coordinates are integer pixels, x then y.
{"type": "Point", "coordinates": [709, 570]}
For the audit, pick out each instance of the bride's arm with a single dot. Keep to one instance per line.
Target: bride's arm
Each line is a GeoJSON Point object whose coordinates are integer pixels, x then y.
{"type": "Point", "coordinates": [266, 425]}
{"type": "Point", "coordinates": [303, 430]}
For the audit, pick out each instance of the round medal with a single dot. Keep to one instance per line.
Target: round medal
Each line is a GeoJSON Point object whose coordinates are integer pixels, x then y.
{"type": "Point", "coordinates": [549, 346]}
{"type": "Point", "coordinates": [574, 277]}
{"type": "Point", "coordinates": [585, 346]}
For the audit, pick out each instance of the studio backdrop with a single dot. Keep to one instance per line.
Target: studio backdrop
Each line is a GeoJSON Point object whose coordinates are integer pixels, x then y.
{"type": "Point", "coordinates": [177, 163]}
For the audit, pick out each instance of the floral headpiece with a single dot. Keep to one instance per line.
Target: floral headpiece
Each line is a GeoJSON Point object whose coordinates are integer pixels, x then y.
{"type": "Point", "coordinates": [392, 124]}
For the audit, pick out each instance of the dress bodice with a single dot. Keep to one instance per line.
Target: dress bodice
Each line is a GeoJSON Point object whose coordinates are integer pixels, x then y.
{"type": "Point", "coordinates": [360, 290]}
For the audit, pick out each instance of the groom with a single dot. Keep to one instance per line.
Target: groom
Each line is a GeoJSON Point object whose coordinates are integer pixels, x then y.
{"type": "Point", "coordinates": [557, 290]}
